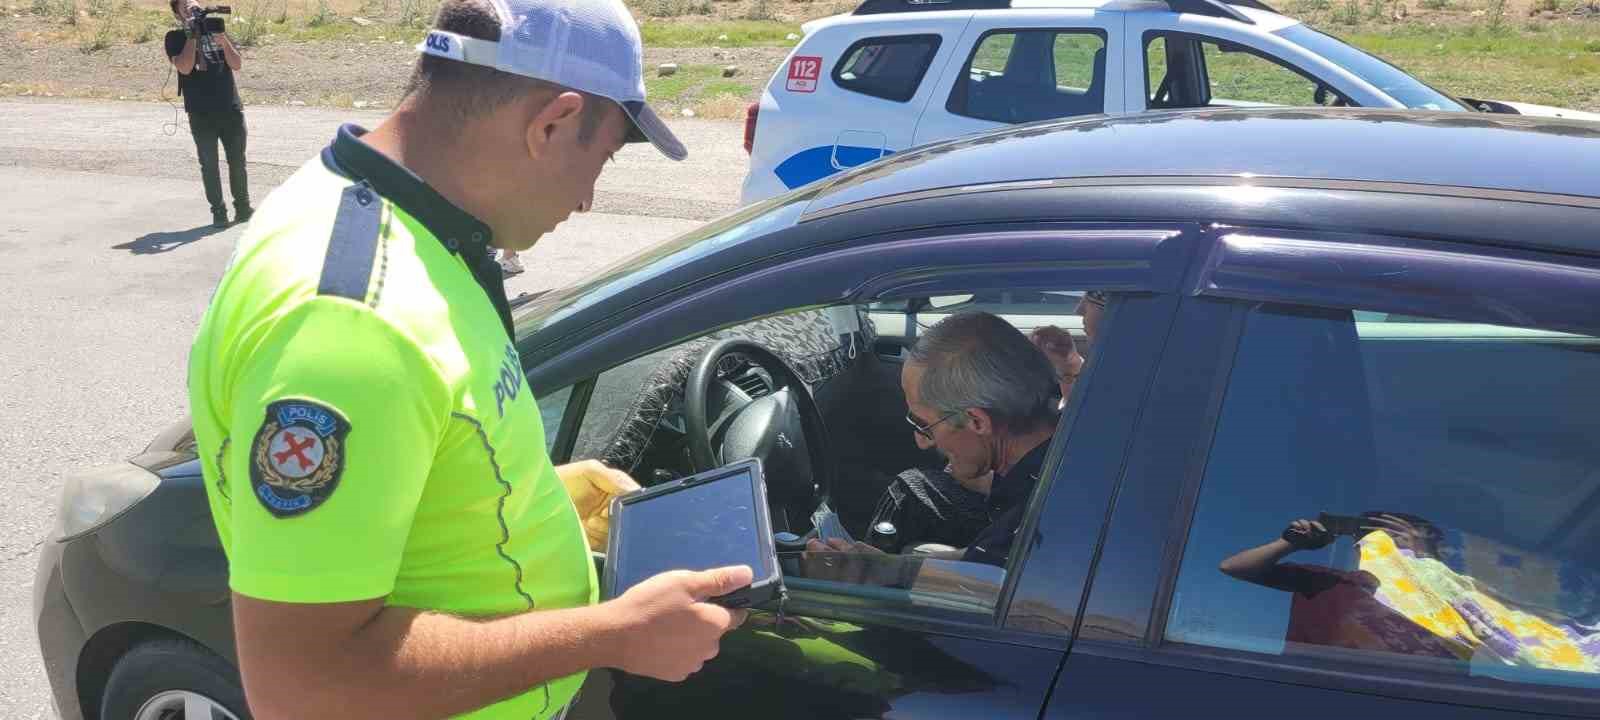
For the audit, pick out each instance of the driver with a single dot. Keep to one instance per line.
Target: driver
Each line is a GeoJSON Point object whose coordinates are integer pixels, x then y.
{"type": "Point", "coordinates": [980, 392]}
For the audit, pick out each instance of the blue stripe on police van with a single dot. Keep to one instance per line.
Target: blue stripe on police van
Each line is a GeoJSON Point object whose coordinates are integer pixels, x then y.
{"type": "Point", "coordinates": [808, 166]}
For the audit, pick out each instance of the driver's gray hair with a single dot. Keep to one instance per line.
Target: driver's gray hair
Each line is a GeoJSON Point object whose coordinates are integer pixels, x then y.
{"type": "Point", "coordinates": [977, 360]}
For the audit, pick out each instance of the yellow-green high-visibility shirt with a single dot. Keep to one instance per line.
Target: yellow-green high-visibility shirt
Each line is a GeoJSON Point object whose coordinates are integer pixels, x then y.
{"type": "Point", "coordinates": [362, 417]}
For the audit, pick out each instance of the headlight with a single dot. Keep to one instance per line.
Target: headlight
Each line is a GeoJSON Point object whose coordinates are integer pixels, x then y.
{"type": "Point", "coordinates": [94, 498]}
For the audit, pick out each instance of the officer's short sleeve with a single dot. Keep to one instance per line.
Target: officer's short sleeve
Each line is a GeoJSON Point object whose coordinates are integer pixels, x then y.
{"type": "Point", "coordinates": [335, 420]}
{"type": "Point", "coordinates": [175, 40]}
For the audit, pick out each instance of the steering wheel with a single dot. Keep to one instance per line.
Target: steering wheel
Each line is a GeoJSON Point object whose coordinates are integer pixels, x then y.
{"type": "Point", "coordinates": [783, 429]}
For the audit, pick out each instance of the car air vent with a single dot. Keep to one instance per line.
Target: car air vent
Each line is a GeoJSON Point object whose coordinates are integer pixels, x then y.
{"type": "Point", "coordinates": [753, 384]}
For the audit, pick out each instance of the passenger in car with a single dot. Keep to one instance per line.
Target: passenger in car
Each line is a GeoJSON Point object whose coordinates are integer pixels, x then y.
{"type": "Point", "coordinates": [1092, 307]}
{"type": "Point", "coordinates": [1342, 608]}
{"type": "Point", "coordinates": [1062, 352]}
{"type": "Point", "coordinates": [981, 394]}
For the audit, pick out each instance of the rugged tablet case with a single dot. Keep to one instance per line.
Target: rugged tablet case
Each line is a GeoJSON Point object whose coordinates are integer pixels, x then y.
{"type": "Point", "coordinates": [765, 590]}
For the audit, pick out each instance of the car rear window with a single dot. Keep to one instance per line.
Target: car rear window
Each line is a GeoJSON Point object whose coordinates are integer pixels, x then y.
{"type": "Point", "coordinates": [887, 67]}
{"type": "Point", "coordinates": [1403, 493]}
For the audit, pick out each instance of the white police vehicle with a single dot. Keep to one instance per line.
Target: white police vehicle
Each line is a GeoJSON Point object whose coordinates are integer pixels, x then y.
{"type": "Point", "coordinates": [899, 73]}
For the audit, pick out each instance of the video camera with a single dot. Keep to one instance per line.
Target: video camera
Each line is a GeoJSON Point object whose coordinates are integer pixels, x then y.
{"type": "Point", "coordinates": [203, 21]}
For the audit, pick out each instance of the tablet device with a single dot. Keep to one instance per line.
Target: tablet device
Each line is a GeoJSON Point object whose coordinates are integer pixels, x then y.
{"type": "Point", "coordinates": [710, 520]}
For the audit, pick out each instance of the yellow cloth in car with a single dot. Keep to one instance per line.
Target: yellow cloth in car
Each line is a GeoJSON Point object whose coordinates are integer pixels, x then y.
{"type": "Point", "coordinates": [1469, 617]}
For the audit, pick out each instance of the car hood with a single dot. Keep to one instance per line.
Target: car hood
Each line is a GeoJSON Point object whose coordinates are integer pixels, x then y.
{"type": "Point", "coordinates": [171, 452]}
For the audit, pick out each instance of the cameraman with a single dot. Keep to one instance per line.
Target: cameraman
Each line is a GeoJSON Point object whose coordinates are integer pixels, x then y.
{"type": "Point", "coordinates": [205, 61]}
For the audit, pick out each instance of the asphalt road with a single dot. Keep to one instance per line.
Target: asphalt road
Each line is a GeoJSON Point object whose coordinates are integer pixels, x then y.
{"type": "Point", "coordinates": [107, 261]}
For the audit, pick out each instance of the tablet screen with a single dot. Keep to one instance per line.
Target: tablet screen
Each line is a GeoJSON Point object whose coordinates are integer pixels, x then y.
{"type": "Point", "coordinates": [705, 526]}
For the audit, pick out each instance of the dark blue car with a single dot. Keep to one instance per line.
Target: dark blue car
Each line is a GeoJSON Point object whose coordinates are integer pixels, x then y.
{"type": "Point", "coordinates": [1377, 330]}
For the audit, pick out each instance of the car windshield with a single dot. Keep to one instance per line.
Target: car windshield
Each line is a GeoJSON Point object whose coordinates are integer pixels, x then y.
{"type": "Point", "coordinates": [660, 259]}
{"type": "Point", "coordinates": [1391, 80]}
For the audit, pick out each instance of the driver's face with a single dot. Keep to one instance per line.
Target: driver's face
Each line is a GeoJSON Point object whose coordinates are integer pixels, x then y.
{"type": "Point", "coordinates": [968, 453]}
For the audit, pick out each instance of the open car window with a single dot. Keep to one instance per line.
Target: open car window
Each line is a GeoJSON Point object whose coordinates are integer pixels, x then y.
{"type": "Point", "coordinates": [912, 533]}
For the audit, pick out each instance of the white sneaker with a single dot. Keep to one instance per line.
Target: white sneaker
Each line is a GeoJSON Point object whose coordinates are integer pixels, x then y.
{"type": "Point", "coordinates": [510, 265]}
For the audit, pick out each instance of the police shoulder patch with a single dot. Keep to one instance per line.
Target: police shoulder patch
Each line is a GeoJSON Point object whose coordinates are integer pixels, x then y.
{"type": "Point", "coordinates": [297, 458]}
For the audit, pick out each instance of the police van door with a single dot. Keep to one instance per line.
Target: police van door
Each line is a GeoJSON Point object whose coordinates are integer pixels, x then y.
{"type": "Point", "coordinates": [1026, 65]}
{"type": "Point", "coordinates": [883, 82]}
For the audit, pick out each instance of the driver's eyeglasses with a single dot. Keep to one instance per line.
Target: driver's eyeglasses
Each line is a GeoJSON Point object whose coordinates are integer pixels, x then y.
{"type": "Point", "coordinates": [926, 431]}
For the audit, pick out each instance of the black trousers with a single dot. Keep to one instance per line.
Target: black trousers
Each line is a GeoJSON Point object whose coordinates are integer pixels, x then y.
{"type": "Point", "coordinates": [226, 127]}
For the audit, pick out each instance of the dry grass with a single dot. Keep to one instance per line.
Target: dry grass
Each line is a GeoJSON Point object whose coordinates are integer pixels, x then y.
{"type": "Point", "coordinates": [724, 106]}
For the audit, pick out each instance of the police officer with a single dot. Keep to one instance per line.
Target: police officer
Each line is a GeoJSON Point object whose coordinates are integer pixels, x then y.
{"type": "Point", "coordinates": [399, 542]}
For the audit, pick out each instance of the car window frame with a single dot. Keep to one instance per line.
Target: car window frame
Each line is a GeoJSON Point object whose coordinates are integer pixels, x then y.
{"type": "Point", "coordinates": [1217, 283]}
{"type": "Point", "coordinates": [571, 419]}
{"type": "Point", "coordinates": [935, 41]}
{"type": "Point", "coordinates": [958, 90]}
{"type": "Point", "coordinates": [1149, 35]}
{"type": "Point", "coordinates": [1094, 256]}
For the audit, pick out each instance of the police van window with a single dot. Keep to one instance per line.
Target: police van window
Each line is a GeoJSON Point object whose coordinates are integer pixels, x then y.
{"type": "Point", "coordinates": [1158, 87]}
{"type": "Point", "coordinates": [1387, 491]}
{"type": "Point", "coordinates": [1183, 71]}
{"type": "Point", "coordinates": [1017, 76]}
{"type": "Point", "coordinates": [887, 67]}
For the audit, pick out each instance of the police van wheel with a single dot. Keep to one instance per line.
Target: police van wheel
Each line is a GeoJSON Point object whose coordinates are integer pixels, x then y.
{"type": "Point", "coordinates": [173, 680]}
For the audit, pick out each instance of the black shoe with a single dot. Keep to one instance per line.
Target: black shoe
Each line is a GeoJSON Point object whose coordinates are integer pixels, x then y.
{"type": "Point", "coordinates": [219, 219]}
{"type": "Point", "coordinates": [242, 215]}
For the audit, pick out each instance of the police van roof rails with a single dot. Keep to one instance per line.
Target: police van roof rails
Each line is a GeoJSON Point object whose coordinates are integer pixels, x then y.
{"type": "Point", "coordinates": [1213, 8]}
{"type": "Point", "coordinates": [876, 7]}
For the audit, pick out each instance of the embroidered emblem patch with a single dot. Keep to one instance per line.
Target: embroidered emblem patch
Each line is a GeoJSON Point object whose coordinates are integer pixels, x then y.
{"type": "Point", "coordinates": [297, 457]}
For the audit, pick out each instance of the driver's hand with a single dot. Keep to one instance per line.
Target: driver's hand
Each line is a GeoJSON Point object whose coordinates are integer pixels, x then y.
{"type": "Point", "coordinates": [838, 545]}
{"type": "Point", "coordinates": [856, 563]}
{"type": "Point", "coordinates": [592, 485]}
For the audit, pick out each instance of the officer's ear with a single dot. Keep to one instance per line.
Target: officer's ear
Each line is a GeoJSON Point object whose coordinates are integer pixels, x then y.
{"type": "Point", "coordinates": [553, 121]}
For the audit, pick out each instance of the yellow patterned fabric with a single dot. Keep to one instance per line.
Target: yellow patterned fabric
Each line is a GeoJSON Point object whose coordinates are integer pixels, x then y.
{"type": "Point", "coordinates": [1468, 617]}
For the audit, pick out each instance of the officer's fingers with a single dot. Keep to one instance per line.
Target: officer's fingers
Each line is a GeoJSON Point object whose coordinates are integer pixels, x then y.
{"type": "Point", "coordinates": [739, 618]}
{"type": "Point", "coordinates": [614, 482]}
{"type": "Point", "coordinates": [839, 544]}
{"type": "Point", "coordinates": [721, 581]}
{"type": "Point", "coordinates": [721, 619]}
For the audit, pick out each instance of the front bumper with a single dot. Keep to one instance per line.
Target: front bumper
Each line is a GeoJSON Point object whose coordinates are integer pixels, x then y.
{"type": "Point", "coordinates": [61, 635]}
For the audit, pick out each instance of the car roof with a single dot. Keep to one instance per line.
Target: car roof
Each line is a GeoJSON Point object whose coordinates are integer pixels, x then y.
{"type": "Point", "coordinates": [1446, 149]}
{"type": "Point", "coordinates": [1497, 180]}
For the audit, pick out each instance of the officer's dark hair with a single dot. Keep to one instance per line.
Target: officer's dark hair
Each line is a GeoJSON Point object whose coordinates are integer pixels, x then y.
{"type": "Point", "coordinates": [466, 91]}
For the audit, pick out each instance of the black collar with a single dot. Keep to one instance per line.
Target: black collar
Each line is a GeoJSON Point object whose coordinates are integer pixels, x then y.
{"type": "Point", "coordinates": [456, 229]}
{"type": "Point", "coordinates": [1014, 486]}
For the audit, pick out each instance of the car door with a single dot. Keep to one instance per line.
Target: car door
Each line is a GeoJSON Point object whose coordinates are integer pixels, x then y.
{"type": "Point", "coordinates": [1022, 66]}
{"type": "Point", "coordinates": [1467, 582]}
{"type": "Point", "coordinates": [980, 641]}
{"type": "Point", "coordinates": [1183, 61]}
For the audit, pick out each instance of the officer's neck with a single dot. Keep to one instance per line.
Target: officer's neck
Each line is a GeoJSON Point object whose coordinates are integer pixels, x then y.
{"type": "Point", "coordinates": [445, 160]}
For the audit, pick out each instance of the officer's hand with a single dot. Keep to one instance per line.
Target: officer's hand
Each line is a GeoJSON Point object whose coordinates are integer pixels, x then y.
{"type": "Point", "coordinates": [672, 631]}
{"type": "Point", "coordinates": [592, 485]}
